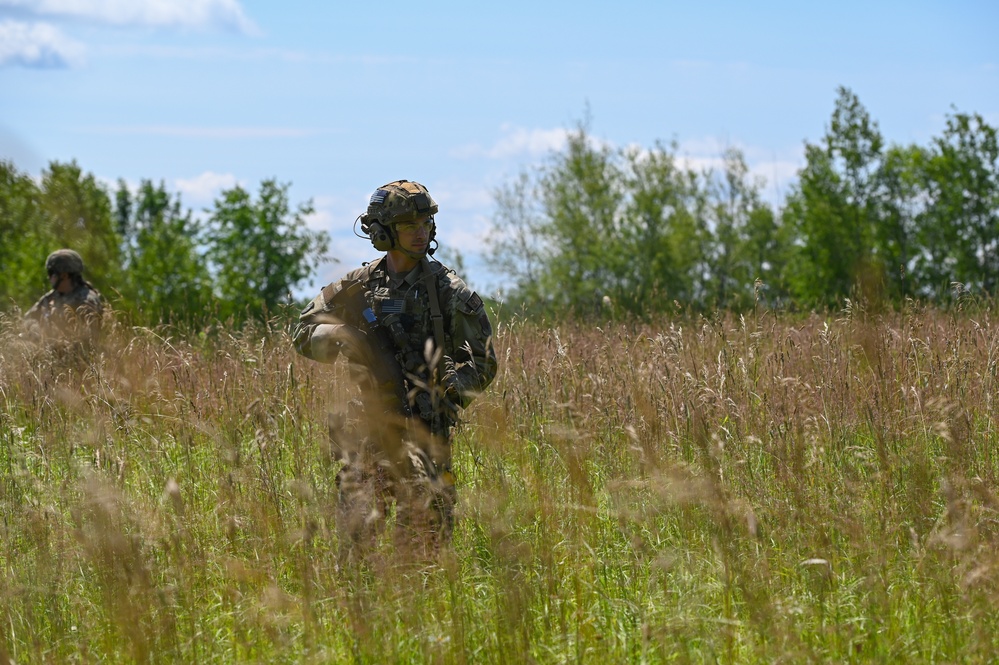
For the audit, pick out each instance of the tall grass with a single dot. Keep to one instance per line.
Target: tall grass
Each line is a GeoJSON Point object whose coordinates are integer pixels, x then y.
{"type": "Point", "coordinates": [735, 490]}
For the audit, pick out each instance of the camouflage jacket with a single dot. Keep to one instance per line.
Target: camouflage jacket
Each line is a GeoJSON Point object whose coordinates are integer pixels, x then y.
{"type": "Point", "coordinates": [401, 302]}
{"type": "Point", "coordinates": [75, 316]}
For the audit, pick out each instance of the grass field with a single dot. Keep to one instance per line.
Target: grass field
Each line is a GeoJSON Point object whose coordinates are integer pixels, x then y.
{"type": "Point", "coordinates": [702, 490]}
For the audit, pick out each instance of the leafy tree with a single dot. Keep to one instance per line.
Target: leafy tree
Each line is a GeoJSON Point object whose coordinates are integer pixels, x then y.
{"type": "Point", "coordinates": [748, 246]}
{"type": "Point", "coordinates": [516, 245]}
{"type": "Point", "coordinates": [665, 238]}
{"type": "Point", "coordinates": [69, 209]}
{"type": "Point", "coordinates": [581, 196]}
{"type": "Point", "coordinates": [22, 238]}
{"type": "Point", "coordinates": [631, 226]}
{"type": "Point", "coordinates": [260, 250]}
{"type": "Point", "coordinates": [901, 201]}
{"type": "Point", "coordinates": [961, 181]}
{"type": "Point", "coordinates": [76, 211]}
{"type": "Point", "coordinates": [167, 279]}
{"type": "Point", "coordinates": [831, 209]}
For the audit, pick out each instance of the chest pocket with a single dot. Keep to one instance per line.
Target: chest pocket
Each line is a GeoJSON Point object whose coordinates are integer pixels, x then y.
{"type": "Point", "coordinates": [406, 307]}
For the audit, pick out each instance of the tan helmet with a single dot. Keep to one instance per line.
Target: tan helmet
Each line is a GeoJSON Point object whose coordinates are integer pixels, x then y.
{"type": "Point", "coordinates": [394, 203]}
{"type": "Point", "coordinates": [64, 260]}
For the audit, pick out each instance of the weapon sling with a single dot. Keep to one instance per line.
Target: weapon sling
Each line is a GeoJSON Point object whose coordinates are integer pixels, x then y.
{"type": "Point", "coordinates": [435, 304]}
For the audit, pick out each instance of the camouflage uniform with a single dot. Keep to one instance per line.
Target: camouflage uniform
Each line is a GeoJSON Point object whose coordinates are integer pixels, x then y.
{"type": "Point", "coordinates": [396, 442]}
{"type": "Point", "coordinates": [72, 318]}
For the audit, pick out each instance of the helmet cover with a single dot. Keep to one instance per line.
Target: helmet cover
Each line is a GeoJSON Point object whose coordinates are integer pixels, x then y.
{"type": "Point", "coordinates": [64, 260]}
{"type": "Point", "coordinates": [399, 201]}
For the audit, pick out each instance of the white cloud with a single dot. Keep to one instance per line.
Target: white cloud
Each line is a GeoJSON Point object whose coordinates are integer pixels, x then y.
{"type": "Point", "coordinates": [201, 14]}
{"type": "Point", "coordinates": [457, 197]}
{"type": "Point", "coordinates": [37, 45]}
{"type": "Point", "coordinates": [517, 141]}
{"type": "Point", "coordinates": [202, 189]}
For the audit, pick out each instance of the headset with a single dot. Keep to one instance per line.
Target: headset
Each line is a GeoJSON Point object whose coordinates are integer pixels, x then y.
{"type": "Point", "coordinates": [400, 201]}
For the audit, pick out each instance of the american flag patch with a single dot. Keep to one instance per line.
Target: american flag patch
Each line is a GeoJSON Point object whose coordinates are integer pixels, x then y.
{"type": "Point", "coordinates": [393, 306]}
{"type": "Point", "coordinates": [378, 197]}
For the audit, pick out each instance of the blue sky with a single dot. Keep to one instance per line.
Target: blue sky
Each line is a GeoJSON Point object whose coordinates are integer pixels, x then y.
{"type": "Point", "coordinates": [338, 98]}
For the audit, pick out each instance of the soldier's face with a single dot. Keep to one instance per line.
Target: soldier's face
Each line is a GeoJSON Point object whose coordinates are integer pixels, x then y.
{"type": "Point", "coordinates": [414, 236]}
{"type": "Point", "coordinates": [61, 281]}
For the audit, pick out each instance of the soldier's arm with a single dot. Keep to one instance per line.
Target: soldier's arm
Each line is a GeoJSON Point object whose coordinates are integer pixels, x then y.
{"type": "Point", "coordinates": [35, 313]}
{"type": "Point", "coordinates": [315, 336]}
{"type": "Point", "coordinates": [473, 354]}
{"type": "Point", "coordinates": [32, 320]}
{"type": "Point", "coordinates": [92, 313]}
{"type": "Point", "coordinates": [322, 332]}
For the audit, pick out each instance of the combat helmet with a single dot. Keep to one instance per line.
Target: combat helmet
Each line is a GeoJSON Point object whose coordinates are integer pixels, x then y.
{"type": "Point", "coordinates": [64, 260]}
{"type": "Point", "coordinates": [395, 203]}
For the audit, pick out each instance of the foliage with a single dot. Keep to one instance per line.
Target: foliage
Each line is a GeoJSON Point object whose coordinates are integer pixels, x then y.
{"type": "Point", "coordinates": [701, 490]}
{"type": "Point", "coordinates": [259, 250]}
{"type": "Point", "coordinates": [148, 255]}
{"type": "Point", "coordinates": [607, 231]}
{"type": "Point", "coordinates": [166, 277]}
{"type": "Point", "coordinates": [634, 228]}
{"type": "Point", "coordinates": [830, 210]}
{"type": "Point", "coordinates": [961, 180]}
{"type": "Point", "coordinates": [21, 237]}
{"type": "Point", "coordinates": [67, 209]}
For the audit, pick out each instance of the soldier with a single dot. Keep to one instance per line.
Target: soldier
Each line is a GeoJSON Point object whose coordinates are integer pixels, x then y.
{"type": "Point", "coordinates": [72, 311]}
{"type": "Point", "coordinates": [419, 345]}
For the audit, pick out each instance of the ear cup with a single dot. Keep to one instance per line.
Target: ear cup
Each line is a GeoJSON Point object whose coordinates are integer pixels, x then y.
{"type": "Point", "coordinates": [381, 236]}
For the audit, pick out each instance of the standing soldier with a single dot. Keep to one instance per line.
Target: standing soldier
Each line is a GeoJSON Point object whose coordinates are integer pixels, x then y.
{"type": "Point", "coordinates": [72, 311]}
{"type": "Point", "coordinates": [419, 345]}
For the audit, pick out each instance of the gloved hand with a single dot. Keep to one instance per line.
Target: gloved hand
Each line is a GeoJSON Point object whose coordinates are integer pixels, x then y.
{"type": "Point", "coordinates": [352, 342]}
{"type": "Point", "coordinates": [327, 340]}
{"type": "Point", "coordinates": [449, 380]}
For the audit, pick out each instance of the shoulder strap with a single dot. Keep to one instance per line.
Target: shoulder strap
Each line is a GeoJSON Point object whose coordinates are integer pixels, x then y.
{"type": "Point", "coordinates": [435, 303]}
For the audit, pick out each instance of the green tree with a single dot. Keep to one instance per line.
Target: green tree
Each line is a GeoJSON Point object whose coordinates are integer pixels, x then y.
{"type": "Point", "coordinates": [76, 210]}
{"type": "Point", "coordinates": [515, 243]}
{"type": "Point", "coordinates": [23, 238]}
{"type": "Point", "coordinates": [831, 210]}
{"type": "Point", "coordinates": [901, 200]}
{"type": "Point", "coordinates": [665, 238]}
{"type": "Point", "coordinates": [581, 196]}
{"type": "Point", "coordinates": [166, 279]}
{"type": "Point", "coordinates": [260, 250]}
{"type": "Point", "coordinates": [748, 247]}
{"type": "Point", "coordinates": [961, 181]}
{"type": "Point", "coordinates": [69, 209]}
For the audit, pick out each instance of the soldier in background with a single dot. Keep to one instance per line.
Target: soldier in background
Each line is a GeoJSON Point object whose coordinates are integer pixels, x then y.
{"type": "Point", "coordinates": [419, 346]}
{"type": "Point", "coordinates": [71, 313]}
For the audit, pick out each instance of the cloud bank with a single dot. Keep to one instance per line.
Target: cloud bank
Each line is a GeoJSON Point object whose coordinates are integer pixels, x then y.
{"type": "Point", "coordinates": [37, 45]}
{"type": "Point", "coordinates": [28, 37]}
{"type": "Point", "coordinates": [517, 142]}
{"type": "Point", "coordinates": [197, 14]}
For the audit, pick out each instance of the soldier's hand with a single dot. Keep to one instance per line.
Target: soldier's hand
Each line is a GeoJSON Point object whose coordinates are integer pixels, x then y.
{"type": "Point", "coordinates": [351, 341]}
{"type": "Point", "coordinates": [326, 340]}
{"type": "Point", "coordinates": [449, 380]}
{"type": "Point", "coordinates": [31, 333]}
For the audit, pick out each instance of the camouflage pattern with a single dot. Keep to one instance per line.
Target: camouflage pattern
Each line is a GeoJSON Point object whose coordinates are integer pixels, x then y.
{"type": "Point", "coordinates": [400, 201]}
{"type": "Point", "coordinates": [74, 317]}
{"type": "Point", "coordinates": [403, 456]}
{"type": "Point", "coordinates": [64, 261]}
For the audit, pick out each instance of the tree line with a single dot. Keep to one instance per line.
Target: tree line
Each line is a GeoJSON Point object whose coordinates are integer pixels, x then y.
{"type": "Point", "coordinates": [592, 229]}
{"type": "Point", "coordinates": [154, 260]}
{"type": "Point", "coordinates": [632, 229]}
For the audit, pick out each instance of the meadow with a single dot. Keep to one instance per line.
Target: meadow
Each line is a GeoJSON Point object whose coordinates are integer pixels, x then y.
{"type": "Point", "coordinates": [769, 488]}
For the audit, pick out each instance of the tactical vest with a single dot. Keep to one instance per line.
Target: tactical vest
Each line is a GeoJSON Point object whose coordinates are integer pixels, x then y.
{"type": "Point", "coordinates": [406, 311]}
